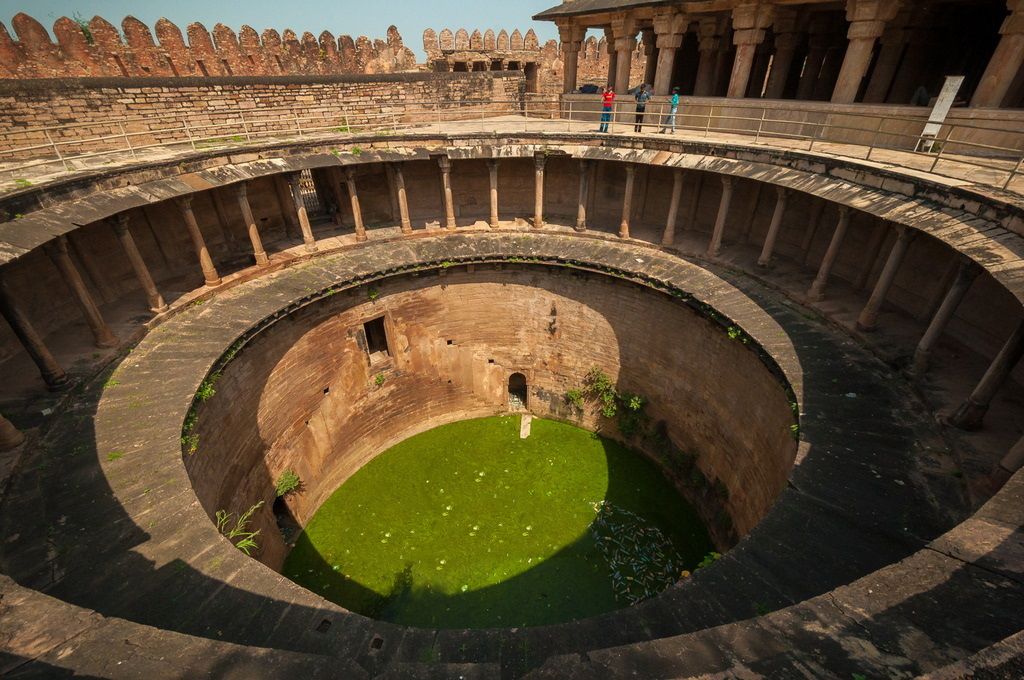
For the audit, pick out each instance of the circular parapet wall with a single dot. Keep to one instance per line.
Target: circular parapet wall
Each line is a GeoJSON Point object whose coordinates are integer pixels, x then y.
{"type": "Point", "coordinates": [303, 393]}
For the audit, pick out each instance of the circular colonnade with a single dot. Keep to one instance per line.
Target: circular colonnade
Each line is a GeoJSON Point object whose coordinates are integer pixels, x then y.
{"type": "Point", "coordinates": [852, 543]}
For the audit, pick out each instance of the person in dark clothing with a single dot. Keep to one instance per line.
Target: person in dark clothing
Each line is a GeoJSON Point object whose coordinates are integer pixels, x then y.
{"type": "Point", "coordinates": [642, 96]}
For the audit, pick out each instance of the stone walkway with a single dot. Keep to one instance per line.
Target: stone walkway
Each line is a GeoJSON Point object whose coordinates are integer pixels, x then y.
{"type": "Point", "coordinates": [991, 173]}
{"type": "Point", "coordinates": [101, 513]}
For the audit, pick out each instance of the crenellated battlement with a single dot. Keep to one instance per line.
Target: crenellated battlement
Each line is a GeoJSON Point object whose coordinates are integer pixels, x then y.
{"type": "Point", "coordinates": [489, 51]}
{"type": "Point", "coordinates": [435, 44]}
{"type": "Point", "coordinates": [97, 48]}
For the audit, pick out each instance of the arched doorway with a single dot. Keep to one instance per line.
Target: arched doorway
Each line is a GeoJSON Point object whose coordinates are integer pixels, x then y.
{"type": "Point", "coordinates": [517, 391]}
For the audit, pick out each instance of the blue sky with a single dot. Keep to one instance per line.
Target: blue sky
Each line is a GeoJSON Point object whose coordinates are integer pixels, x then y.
{"type": "Point", "coordinates": [337, 16]}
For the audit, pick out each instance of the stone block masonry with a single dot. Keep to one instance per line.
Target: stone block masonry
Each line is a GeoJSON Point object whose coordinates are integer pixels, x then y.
{"type": "Point", "coordinates": [96, 49]}
{"type": "Point", "coordinates": [144, 105]}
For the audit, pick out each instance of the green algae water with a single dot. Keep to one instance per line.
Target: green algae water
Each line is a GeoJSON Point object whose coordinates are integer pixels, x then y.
{"type": "Point", "coordinates": [469, 526]}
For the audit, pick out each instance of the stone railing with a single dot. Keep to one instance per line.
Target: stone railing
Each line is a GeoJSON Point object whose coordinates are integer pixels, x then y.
{"type": "Point", "coordinates": [983, 150]}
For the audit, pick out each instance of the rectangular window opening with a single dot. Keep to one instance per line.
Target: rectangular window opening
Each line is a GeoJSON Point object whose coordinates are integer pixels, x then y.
{"type": "Point", "coordinates": [376, 336]}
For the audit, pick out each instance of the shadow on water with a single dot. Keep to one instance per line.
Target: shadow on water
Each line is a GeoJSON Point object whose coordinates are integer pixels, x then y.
{"type": "Point", "coordinates": [575, 582]}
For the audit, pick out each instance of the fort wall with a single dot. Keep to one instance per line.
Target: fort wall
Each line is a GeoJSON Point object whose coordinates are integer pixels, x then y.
{"type": "Point", "coordinates": [193, 107]}
{"type": "Point", "coordinates": [96, 48]}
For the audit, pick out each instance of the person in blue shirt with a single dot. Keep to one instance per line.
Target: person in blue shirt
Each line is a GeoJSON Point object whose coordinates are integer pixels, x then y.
{"type": "Point", "coordinates": [642, 96]}
{"type": "Point", "coordinates": [673, 107]}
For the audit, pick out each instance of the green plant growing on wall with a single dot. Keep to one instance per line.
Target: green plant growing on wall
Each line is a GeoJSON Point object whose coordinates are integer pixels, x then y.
{"type": "Point", "coordinates": [575, 398]}
{"type": "Point", "coordinates": [206, 389]}
{"type": "Point", "coordinates": [22, 183]}
{"type": "Point", "coordinates": [379, 379]}
{"type": "Point", "coordinates": [286, 483]}
{"type": "Point", "coordinates": [189, 438]}
{"type": "Point", "coordinates": [372, 293]}
{"type": "Point", "coordinates": [709, 559]}
{"type": "Point", "coordinates": [628, 409]}
{"type": "Point", "coordinates": [246, 539]}
{"type": "Point", "coordinates": [83, 26]}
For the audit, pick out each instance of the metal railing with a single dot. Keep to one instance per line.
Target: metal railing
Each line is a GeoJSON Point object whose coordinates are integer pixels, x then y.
{"type": "Point", "coordinates": [962, 151]}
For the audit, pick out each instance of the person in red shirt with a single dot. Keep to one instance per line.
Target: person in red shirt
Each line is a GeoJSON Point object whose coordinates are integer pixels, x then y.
{"type": "Point", "coordinates": [607, 103]}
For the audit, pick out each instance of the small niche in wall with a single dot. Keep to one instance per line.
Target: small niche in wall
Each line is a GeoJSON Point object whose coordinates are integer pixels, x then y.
{"type": "Point", "coordinates": [376, 337]}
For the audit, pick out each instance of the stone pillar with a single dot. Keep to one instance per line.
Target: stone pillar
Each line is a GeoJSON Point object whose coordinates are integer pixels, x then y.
{"type": "Point", "coordinates": [867, 21]}
{"type": "Point", "coordinates": [53, 375]}
{"type": "Point", "coordinates": [972, 412]}
{"type": "Point", "coordinates": [222, 220]}
{"type": "Point", "coordinates": [749, 22]}
{"type": "Point", "coordinates": [715, 246]}
{"type": "Point", "coordinates": [650, 55]}
{"type": "Point", "coordinates": [124, 235]}
{"type": "Point", "coordinates": [868, 319]}
{"type": "Point", "coordinates": [300, 212]}
{"type": "Point", "coordinates": [333, 177]}
{"type": "Point", "coordinates": [889, 54]}
{"type": "Point", "coordinates": [624, 30]}
{"type": "Point", "coordinates": [627, 201]}
{"type": "Point", "coordinates": [353, 197]}
{"type": "Point", "coordinates": [539, 160]}
{"type": "Point", "coordinates": [668, 237]}
{"type": "Point", "coordinates": [581, 211]}
{"type": "Point", "coordinates": [492, 171]}
{"type": "Point", "coordinates": [787, 40]}
{"type": "Point", "coordinates": [571, 37]}
{"type": "Point", "coordinates": [669, 28]}
{"type": "Point", "coordinates": [814, 221]}
{"type": "Point", "coordinates": [1014, 460]}
{"type": "Point", "coordinates": [202, 253]}
{"type": "Point", "coordinates": [817, 291]}
{"type": "Point", "coordinates": [58, 252]}
{"type": "Point", "coordinates": [242, 196]}
{"type": "Point", "coordinates": [966, 272]}
{"type": "Point", "coordinates": [284, 199]}
{"type": "Point", "coordinates": [403, 202]}
{"type": "Point", "coordinates": [613, 57]}
{"type": "Point", "coordinates": [773, 228]}
{"type": "Point", "coordinates": [9, 436]}
{"type": "Point", "coordinates": [445, 164]}
{"type": "Point", "coordinates": [871, 253]}
{"type": "Point", "coordinates": [1006, 61]}
{"type": "Point", "coordinates": [818, 43]}
{"type": "Point", "coordinates": [709, 42]}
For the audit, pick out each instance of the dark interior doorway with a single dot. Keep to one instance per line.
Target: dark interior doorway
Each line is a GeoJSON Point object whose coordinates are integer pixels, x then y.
{"type": "Point", "coordinates": [517, 391]}
{"type": "Point", "coordinates": [376, 336]}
